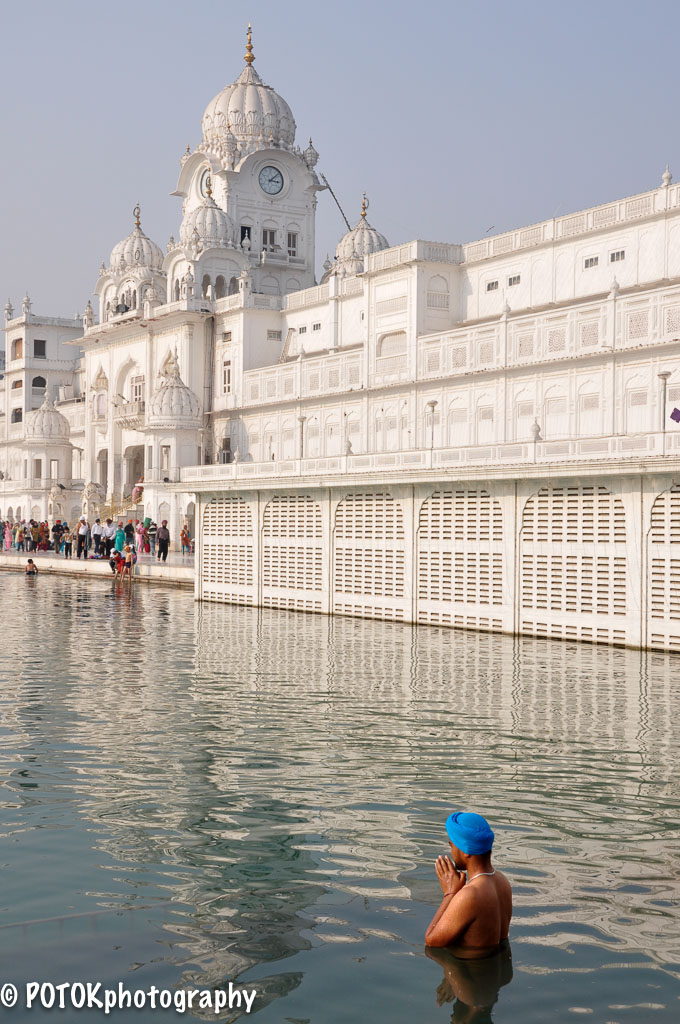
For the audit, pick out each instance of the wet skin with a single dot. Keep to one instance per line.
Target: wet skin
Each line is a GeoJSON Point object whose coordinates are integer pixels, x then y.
{"type": "Point", "coordinates": [474, 916]}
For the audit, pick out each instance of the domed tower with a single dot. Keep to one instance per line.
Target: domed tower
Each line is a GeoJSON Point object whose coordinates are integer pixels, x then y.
{"type": "Point", "coordinates": [175, 419]}
{"type": "Point", "coordinates": [47, 439]}
{"type": "Point", "coordinates": [134, 276]}
{"type": "Point", "coordinates": [353, 247]}
{"type": "Point", "coordinates": [259, 178]}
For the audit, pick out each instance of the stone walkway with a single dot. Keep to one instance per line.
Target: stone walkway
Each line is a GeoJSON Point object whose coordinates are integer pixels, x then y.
{"type": "Point", "coordinates": [178, 569]}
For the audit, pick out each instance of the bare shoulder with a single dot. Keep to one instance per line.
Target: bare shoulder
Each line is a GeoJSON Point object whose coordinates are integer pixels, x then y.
{"type": "Point", "coordinates": [503, 881]}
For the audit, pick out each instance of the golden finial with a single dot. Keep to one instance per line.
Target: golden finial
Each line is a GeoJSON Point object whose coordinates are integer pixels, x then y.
{"type": "Point", "coordinates": [188, 149]}
{"type": "Point", "coordinates": [136, 214]}
{"type": "Point", "coordinates": [208, 187]}
{"type": "Point", "coordinates": [364, 206]}
{"type": "Point", "coordinates": [249, 48]}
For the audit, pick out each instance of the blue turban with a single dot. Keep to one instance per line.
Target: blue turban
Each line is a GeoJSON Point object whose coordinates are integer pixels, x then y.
{"type": "Point", "coordinates": [469, 832]}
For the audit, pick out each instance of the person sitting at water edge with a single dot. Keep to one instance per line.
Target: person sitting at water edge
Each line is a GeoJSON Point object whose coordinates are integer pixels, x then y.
{"type": "Point", "coordinates": [474, 915]}
{"type": "Point", "coordinates": [31, 568]}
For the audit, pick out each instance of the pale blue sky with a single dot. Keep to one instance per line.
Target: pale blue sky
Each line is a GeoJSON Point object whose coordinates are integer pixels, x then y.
{"type": "Point", "coordinates": [453, 116]}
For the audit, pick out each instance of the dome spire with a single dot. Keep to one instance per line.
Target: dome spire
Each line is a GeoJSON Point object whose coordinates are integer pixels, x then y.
{"type": "Point", "coordinates": [208, 187]}
{"type": "Point", "coordinates": [364, 206]}
{"type": "Point", "coordinates": [249, 58]}
{"type": "Point", "coordinates": [136, 214]}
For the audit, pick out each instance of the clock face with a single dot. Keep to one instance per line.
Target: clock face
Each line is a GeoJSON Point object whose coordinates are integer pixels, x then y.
{"type": "Point", "coordinates": [205, 177]}
{"type": "Point", "coordinates": [271, 180]}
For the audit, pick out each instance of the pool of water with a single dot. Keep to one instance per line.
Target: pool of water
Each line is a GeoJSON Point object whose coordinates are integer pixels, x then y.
{"type": "Point", "coordinates": [195, 794]}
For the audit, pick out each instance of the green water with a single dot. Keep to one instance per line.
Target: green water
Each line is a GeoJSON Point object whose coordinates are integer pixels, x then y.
{"type": "Point", "coordinates": [198, 794]}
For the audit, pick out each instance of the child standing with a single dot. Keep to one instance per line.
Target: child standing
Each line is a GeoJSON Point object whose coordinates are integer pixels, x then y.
{"type": "Point", "coordinates": [68, 543]}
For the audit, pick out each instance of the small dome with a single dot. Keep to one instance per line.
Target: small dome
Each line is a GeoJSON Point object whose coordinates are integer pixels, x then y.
{"type": "Point", "coordinates": [249, 109]}
{"type": "Point", "coordinates": [47, 423]}
{"type": "Point", "coordinates": [213, 226]}
{"type": "Point", "coordinates": [136, 250]}
{"type": "Point", "coordinates": [173, 402]}
{"type": "Point", "coordinates": [361, 240]}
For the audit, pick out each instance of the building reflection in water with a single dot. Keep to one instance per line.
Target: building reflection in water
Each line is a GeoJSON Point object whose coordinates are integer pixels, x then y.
{"type": "Point", "coordinates": [256, 766]}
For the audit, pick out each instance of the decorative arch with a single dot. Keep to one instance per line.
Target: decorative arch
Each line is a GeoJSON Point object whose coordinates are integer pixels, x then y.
{"type": "Point", "coordinates": [457, 423]}
{"type": "Point", "coordinates": [220, 287]}
{"type": "Point", "coordinates": [269, 285]}
{"type": "Point", "coordinates": [369, 540]}
{"type": "Point", "coordinates": [460, 553]}
{"type": "Point", "coordinates": [293, 562]}
{"type": "Point", "coordinates": [227, 551]}
{"type": "Point", "coordinates": [555, 421]}
{"type": "Point", "coordinates": [39, 382]}
{"type": "Point", "coordinates": [573, 571]}
{"type": "Point", "coordinates": [391, 345]}
{"type": "Point", "coordinates": [663, 561]}
{"type": "Point", "coordinates": [588, 409]}
{"type": "Point", "coordinates": [438, 292]}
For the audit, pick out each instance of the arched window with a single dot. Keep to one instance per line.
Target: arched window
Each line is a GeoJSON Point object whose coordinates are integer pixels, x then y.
{"type": "Point", "coordinates": [177, 292]}
{"type": "Point", "coordinates": [133, 304]}
{"type": "Point", "coordinates": [17, 415]}
{"type": "Point", "coordinates": [233, 286]}
{"type": "Point", "coordinates": [205, 286]}
{"type": "Point", "coordinates": [269, 285]}
{"type": "Point", "coordinates": [392, 345]}
{"type": "Point", "coordinates": [220, 287]}
{"type": "Point", "coordinates": [17, 348]}
{"type": "Point", "coordinates": [17, 384]}
{"type": "Point", "coordinates": [100, 405]}
{"type": "Point", "coordinates": [437, 293]}
{"type": "Point", "coordinates": [39, 382]}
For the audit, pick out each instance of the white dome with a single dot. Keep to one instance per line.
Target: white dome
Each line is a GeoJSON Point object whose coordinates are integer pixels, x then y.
{"type": "Point", "coordinates": [213, 226]}
{"type": "Point", "coordinates": [251, 109]}
{"type": "Point", "coordinates": [136, 250]}
{"type": "Point", "coordinates": [173, 401]}
{"type": "Point", "coordinates": [47, 423]}
{"type": "Point", "coordinates": [360, 241]}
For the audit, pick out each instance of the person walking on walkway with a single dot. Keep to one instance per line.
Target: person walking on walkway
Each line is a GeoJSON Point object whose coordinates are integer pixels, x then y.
{"type": "Point", "coordinates": [185, 540]}
{"type": "Point", "coordinates": [152, 530]}
{"type": "Point", "coordinates": [163, 536]}
{"type": "Point", "coordinates": [83, 530]}
{"type": "Point", "coordinates": [57, 531]}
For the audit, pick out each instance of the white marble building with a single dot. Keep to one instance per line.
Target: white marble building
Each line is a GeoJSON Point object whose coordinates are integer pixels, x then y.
{"type": "Point", "coordinates": [220, 362]}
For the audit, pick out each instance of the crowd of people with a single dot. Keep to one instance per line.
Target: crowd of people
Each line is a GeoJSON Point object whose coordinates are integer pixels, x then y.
{"type": "Point", "coordinates": [117, 542]}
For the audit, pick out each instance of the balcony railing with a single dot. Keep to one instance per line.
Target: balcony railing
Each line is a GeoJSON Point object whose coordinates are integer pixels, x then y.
{"type": "Point", "coordinates": [129, 414]}
{"type": "Point", "coordinates": [521, 454]}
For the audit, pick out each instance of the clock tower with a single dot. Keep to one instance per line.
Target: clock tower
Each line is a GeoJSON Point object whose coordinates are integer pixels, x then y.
{"type": "Point", "coordinates": [249, 169]}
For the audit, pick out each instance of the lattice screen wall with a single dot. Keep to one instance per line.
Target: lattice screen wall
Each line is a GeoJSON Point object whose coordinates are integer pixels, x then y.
{"type": "Point", "coordinates": [460, 577]}
{"type": "Point", "coordinates": [574, 580]}
{"type": "Point", "coordinates": [293, 562]}
{"type": "Point", "coordinates": [227, 552]}
{"type": "Point", "coordinates": [663, 572]}
{"type": "Point", "coordinates": [369, 564]}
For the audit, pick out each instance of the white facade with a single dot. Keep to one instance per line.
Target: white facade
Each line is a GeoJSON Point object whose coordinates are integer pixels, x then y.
{"type": "Point", "coordinates": [219, 362]}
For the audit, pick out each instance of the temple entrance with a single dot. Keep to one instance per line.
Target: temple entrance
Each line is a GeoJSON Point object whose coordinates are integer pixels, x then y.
{"type": "Point", "coordinates": [134, 466]}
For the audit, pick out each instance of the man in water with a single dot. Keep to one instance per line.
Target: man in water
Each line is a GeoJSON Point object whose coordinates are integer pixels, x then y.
{"type": "Point", "coordinates": [474, 915]}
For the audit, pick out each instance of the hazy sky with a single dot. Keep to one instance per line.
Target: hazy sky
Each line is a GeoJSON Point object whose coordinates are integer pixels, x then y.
{"type": "Point", "coordinates": [454, 117]}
